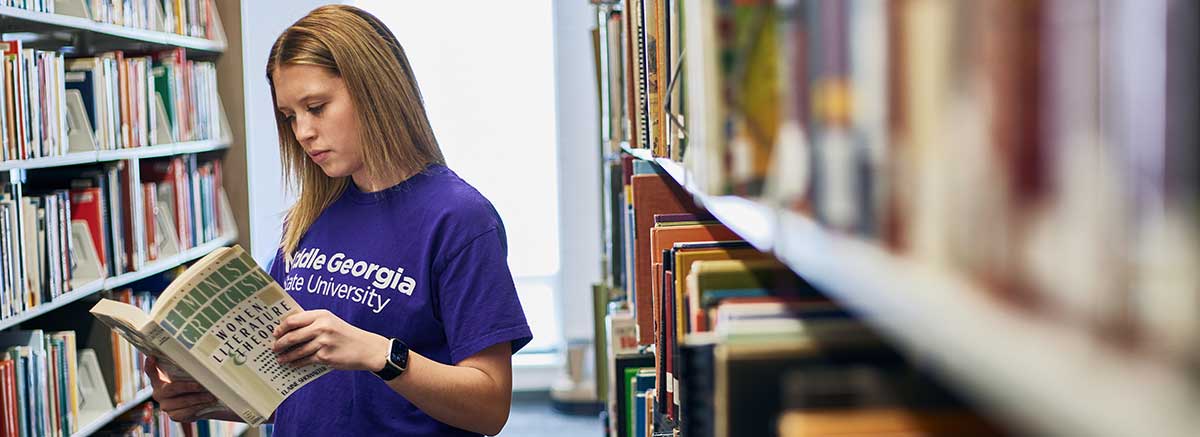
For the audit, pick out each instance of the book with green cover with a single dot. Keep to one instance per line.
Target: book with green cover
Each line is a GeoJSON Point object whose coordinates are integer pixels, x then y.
{"type": "Point", "coordinates": [213, 324]}
{"type": "Point", "coordinates": [162, 87]}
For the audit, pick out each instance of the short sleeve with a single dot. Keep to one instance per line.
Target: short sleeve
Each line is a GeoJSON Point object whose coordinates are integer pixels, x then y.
{"type": "Point", "coordinates": [275, 267]}
{"type": "Point", "coordinates": [477, 300]}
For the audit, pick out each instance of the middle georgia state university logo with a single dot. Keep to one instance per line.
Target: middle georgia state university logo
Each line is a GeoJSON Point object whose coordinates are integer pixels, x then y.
{"type": "Point", "coordinates": [381, 277]}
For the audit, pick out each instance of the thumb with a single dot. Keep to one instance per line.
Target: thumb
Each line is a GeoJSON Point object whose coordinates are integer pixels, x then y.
{"type": "Point", "coordinates": [150, 366]}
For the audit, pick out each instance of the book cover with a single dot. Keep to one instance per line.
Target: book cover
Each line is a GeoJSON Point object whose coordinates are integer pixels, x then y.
{"type": "Point", "coordinates": [188, 329]}
{"type": "Point", "coordinates": [29, 348]}
{"type": "Point", "coordinates": [9, 422]}
{"type": "Point", "coordinates": [652, 194]}
{"type": "Point", "coordinates": [149, 204]}
{"type": "Point", "coordinates": [683, 260]}
{"type": "Point", "coordinates": [664, 238]}
{"type": "Point", "coordinates": [709, 282]}
{"type": "Point", "coordinates": [87, 204]}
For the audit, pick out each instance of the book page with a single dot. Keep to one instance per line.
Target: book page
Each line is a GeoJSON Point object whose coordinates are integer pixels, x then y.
{"type": "Point", "coordinates": [129, 328]}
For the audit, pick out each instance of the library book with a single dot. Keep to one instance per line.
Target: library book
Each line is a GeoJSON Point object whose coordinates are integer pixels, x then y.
{"type": "Point", "coordinates": [213, 325]}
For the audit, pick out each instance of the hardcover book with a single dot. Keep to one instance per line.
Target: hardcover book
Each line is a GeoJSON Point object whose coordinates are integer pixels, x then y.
{"type": "Point", "coordinates": [214, 325]}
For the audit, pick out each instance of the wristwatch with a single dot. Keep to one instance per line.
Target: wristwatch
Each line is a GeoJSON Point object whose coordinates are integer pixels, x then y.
{"type": "Point", "coordinates": [396, 362]}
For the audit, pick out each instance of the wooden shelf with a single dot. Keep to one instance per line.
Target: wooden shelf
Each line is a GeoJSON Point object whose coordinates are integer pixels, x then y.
{"type": "Point", "coordinates": [103, 36]}
{"type": "Point", "coordinates": [1051, 377]}
{"type": "Point", "coordinates": [96, 286]}
{"type": "Point", "coordinates": [78, 158]}
{"type": "Point", "coordinates": [99, 422]}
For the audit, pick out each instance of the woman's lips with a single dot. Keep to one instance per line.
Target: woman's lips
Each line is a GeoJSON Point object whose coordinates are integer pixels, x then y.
{"type": "Point", "coordinates": [318, 155]}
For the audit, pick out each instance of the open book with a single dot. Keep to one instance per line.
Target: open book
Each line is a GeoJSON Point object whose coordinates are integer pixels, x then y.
{"type": "Point", "coordinates": [213, 324]}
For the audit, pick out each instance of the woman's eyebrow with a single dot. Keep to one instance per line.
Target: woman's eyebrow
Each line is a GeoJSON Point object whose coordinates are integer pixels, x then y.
{"type": "Point", "coordinates": [305, 98]}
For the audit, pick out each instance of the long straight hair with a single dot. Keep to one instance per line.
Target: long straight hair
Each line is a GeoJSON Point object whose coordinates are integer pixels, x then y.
{"type": "Point", "coordinates": [394, 134]}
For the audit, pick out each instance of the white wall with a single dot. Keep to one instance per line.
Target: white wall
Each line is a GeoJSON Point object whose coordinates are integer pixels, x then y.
{"type": "Point", "coordinates": [578, 134]}
{"type": "Point", "coordinates": [262, 22]}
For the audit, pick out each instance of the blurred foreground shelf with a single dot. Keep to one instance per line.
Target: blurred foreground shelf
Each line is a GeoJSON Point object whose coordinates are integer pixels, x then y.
{"type": "Point", "coordinates": [1050, 377]}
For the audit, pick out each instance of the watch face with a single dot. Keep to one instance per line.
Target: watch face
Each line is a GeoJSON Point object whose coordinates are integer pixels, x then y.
{"type": "Point", "coordinates": [399, 354]}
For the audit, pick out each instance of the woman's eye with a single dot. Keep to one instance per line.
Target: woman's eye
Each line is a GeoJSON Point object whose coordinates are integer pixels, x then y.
{"type": "Point", "coordinates": [289, 118]}
{"type": "Point", "coordinates": [316, 109]}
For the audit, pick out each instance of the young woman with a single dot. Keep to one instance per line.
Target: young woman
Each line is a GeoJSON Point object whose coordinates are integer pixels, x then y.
{"type": "Point", "coordinates": [413, 303]}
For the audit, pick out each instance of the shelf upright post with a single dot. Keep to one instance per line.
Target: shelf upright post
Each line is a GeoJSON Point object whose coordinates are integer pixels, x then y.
{"type": "Point", "coordinates": [82, 41]}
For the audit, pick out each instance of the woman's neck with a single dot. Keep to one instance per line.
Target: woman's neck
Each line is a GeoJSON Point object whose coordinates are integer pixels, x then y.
{"type": "Point", "coordinates": [367, 183]}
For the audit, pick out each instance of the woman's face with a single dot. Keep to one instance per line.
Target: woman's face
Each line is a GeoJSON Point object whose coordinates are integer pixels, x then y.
{"type": "Point", "coordinates": [317, 106]}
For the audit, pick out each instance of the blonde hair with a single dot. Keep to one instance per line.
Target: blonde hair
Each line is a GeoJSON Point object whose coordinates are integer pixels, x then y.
{"type": "Point", "coordinates": [395, 135]}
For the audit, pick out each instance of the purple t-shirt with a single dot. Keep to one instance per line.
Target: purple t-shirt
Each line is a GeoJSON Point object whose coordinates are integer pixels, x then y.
{"type": "Point", "coordinates": [424, 261]}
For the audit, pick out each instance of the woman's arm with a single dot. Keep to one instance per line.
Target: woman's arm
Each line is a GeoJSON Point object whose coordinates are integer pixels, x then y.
{"type": "Point", "coordinates": [475, 394]}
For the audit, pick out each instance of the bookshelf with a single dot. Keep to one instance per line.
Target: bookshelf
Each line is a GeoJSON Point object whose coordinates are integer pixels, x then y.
{"type": "Point", "coordinates": [99, 422]}
{"type": "Point", "coordinates": [920, 210]}
{"type": "Point", "coordinates": [1084, 388]}
{"type": "Point", "coordinates": [103, 35]}
{"type": "Point", "coordinates": [150, 269]}
{"type": "Point", "coordinates": [156, 151]}
{"type": "Point", "coordinates": [75, 36]}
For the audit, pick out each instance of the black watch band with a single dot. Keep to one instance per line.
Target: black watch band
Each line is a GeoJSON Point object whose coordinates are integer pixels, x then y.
{"type": "Point", "coordinates": [396, 362]}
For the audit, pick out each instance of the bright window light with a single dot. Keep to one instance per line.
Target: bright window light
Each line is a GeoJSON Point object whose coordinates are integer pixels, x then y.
{"type": "Point", "coordinates": [487, 78]}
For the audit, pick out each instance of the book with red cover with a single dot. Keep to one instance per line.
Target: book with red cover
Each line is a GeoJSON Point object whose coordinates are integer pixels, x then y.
{"type": "Point", "coordinates": [126, 134]}
{"type": "Point", "coordinates": [87, 204]}
{"type": "Point", "coordinates": [171, 172]}
{"type": "Point", "coordinates": [149, 206]}
{"type": "Point", "coordinates": [652, 194]}
{"type": "Point", "coordinates": [8, 399]}
{"type": "Point", "coordinates": [129, 192]}
{"type": "Point", "coordinates": [16, 77]}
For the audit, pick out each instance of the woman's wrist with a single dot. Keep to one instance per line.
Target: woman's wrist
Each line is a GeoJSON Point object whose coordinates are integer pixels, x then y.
{"type": "Point", "coordinates": [376, 352]}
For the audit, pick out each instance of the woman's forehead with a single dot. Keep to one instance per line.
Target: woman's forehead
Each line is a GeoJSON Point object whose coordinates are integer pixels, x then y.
{"type": "Point", "coordinates": [296, 83]}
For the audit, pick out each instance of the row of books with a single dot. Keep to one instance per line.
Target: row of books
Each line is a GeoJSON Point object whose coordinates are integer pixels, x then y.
{"type": "Point", "coordinates": [706, 329]}
{"type": "Point", "coordinates": [638, 47]}
{"type": "Point", "coordinates": [53, 106]}
{"type": "Point", "coordinates": [38, 376]}
{"type": "Point", "coordinates": [33, 123]}
{"type": "Point", "coordinates": [74, 227]}
{"type": "Point", "coordinates": [125, 378]}
{"type": "Point", "coordinates": [31, 5]}
{"type": "Point", "coordinates": [148, 420]}
{"type": "Point", "coordinates": [1044, 148]}
{"type": "Point", "coordinates": [35, 250]}
{"type": "Point", "coordinates": [196, 18]}
{"type": "Point", "coordinates": [49, 386]}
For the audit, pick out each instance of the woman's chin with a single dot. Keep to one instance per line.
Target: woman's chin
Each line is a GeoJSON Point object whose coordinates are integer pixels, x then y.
{"type": "Point", "coordinates": [334, 171]}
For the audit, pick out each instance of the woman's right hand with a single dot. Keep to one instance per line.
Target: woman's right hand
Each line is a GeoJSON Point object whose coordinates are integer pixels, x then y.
{"type": "Point", "coordinates": [182, 400]}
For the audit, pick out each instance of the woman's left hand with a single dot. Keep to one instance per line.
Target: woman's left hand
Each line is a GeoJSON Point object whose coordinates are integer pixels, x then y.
{"type": "Point", "coordinates": [320, 337]}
